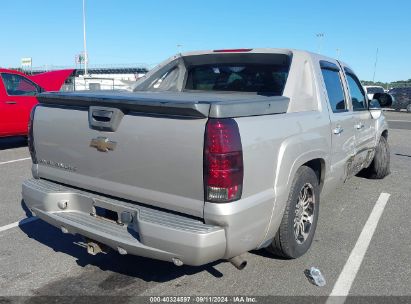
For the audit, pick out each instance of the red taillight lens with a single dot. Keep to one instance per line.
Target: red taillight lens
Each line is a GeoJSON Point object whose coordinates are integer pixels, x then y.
{"type": "Point", "coordinates": [223, 161]}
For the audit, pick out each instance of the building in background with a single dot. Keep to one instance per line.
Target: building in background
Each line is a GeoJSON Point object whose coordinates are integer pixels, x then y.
{"type": "Point", "coordinates": [99, 78]}
{"type": "Point", "coordinates": [104, 79]}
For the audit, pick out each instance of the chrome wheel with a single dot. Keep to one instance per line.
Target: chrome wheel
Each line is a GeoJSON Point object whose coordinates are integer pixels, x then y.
{"type": "Point", "coordinates": [304, 213]}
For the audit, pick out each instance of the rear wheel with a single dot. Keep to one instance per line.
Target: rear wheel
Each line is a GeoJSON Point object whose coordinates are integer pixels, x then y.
{"type": "Point", "coordinates": [409, 108]}
{"type": "Point", "coordinates": [380, 165]}
{"type": "Point", "coordinates": [297, 228]}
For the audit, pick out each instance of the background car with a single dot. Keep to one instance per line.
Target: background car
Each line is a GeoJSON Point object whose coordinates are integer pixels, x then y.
{"type": "Point", "coordinates": [371, 90]}
{"type": "Point", "coordinates": [402, 98]}
{"type": "Point", "coordinates": [18, 96]}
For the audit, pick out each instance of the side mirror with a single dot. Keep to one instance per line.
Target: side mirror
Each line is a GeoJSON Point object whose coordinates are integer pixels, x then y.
{"type": "Point", "coordinates": [384, 99]}
{"type": "Point", "coordinates": [375, 108]}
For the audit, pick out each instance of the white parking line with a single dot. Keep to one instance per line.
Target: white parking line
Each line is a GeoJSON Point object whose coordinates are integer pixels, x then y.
{"type": "Point", "coordinates": [19, 223]}
{"type": "Point", "coordinates": [343, 285]}
{"type": "Point", "coordinates": [15, 160]}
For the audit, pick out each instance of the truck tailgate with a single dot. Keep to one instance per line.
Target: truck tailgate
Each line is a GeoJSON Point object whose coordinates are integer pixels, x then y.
{"type": "Point", "coordinates": [150, 159]}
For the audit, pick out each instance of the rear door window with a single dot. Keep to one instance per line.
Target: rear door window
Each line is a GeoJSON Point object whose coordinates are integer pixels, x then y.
{"type": "Point", "coordinates": [17, 85]}
{"type": "Point", "coordinates": [333, 85]}
{"type": "Point", "coordinates": [358, 99]}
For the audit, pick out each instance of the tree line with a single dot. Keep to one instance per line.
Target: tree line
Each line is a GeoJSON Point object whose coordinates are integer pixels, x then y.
{"type": "Point", "coordinates": [388, 85]}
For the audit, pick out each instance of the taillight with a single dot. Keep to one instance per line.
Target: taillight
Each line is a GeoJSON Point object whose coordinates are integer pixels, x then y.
{"type": "Point", "coordinates": [223, 161]}
{"type": "Point", "coordinates": [30, 138]}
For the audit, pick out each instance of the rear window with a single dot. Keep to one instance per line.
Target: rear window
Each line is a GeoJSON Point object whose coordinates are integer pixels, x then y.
{"type": "Point", "coordinates": [241, 77]}
{"type": "Point", "coordinates": [373, 90]}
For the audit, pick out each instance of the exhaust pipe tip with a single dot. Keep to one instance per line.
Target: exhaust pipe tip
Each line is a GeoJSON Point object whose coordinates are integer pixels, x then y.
{"type": "Point", "coordinates": [238, 262]}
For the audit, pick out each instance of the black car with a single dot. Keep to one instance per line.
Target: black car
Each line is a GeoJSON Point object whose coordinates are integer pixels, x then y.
{"type": "Point", "coordinates": [402, 98]}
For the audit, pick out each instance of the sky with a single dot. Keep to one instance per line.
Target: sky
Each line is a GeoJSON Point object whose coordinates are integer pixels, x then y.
{"type": "Point", "coordinates": [141, 31]}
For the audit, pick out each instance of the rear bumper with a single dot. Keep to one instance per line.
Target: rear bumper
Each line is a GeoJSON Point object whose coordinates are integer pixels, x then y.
{"type": "Point", "coordinates": [152, 233]}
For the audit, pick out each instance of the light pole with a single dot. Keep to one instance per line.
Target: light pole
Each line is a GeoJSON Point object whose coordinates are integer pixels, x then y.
{"type": "Point", "coordinates": [84, 38]}
{"type": "Point", "coordinates": [375, 65]}
{"type": "Point", "coordinates": [320, 37]}
{"type": "Point", "coordinates": [338, 53]}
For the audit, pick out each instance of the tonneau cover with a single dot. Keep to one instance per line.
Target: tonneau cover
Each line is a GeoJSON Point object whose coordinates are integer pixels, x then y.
{"type": "Point", "coordinates": [201, 105]}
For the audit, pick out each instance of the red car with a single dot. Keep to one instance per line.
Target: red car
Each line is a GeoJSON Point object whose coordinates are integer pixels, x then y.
{"type": "Point", "coordinates": [18, 96]}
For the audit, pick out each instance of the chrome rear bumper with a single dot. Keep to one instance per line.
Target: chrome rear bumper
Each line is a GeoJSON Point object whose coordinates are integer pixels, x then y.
{"type": "Point", "coordinates": [152, 233]}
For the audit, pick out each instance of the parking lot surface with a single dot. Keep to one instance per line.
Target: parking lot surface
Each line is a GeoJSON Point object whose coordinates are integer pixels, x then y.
{"type": "Point", "coordinates": [37, 259]}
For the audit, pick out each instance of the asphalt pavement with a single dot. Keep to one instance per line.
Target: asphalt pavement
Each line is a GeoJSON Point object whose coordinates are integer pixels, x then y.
{"type": "Point", "coordinates": [398, 120]}
{"type": "Point", "coordinates": [37, 259]}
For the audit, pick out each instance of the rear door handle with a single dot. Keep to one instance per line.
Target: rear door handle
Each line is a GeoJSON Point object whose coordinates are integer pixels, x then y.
{"type": "Point", "coordinates": [359, 126]}
{"type": "Point", "coordinates": [10, 102]}
{"type": "Point", "coordinates": [338, 130]}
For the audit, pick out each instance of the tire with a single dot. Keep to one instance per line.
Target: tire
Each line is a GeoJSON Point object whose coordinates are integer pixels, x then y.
{"type": "Point", "coordinates": [380, 165]}
{"type": "Point", "coordinates": [409, 108]}
{"type": "Point", "coordinates": [287, 244]}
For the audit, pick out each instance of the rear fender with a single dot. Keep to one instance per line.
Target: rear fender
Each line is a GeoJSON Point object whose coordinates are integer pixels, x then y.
{"type": "Point", "coordinates": [293, 153]}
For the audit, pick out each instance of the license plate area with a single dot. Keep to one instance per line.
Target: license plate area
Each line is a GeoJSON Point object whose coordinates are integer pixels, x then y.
{"type": "Point", "coordinates": [105, 214]}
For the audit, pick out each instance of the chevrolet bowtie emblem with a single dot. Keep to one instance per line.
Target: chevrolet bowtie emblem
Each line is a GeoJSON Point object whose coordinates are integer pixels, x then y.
{"type": "Point", "coordinates": [102, 144]}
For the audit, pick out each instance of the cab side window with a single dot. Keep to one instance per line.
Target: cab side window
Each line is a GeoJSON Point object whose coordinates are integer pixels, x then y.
{"type": "Point", "coordinates": [17, 85]}
{"type": "Point", "coordinates": [356, 91]}
{"type": "Point", "coordinates": [333, 85]}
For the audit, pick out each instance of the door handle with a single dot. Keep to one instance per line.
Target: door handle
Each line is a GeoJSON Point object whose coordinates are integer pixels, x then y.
{"type": "Point", "coordinates": [338, 130]}
{"type": "Point", "coordinates": [102, 115]}
{"type": "Point", "coordinates": [359, 126]}
{"type": "Point", "coordinates": [10, 102]}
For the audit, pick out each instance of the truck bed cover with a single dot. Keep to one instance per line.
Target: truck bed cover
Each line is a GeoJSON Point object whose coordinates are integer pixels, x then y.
{"type": "Point", "coordinates": [196, 105]}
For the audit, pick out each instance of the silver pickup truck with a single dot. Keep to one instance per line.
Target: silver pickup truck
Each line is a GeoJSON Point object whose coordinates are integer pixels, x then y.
{"type": "Point", "coordinates": [212, 155]}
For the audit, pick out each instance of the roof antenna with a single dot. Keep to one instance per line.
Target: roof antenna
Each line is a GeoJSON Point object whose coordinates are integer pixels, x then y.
{"type": "Point", "coordinates": [179, 48]}
{"type": "Point", "coordinates": [84, 38]}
